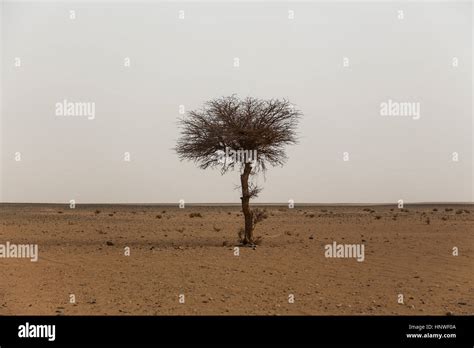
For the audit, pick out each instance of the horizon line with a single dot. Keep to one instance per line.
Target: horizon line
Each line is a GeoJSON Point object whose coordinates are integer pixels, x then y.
{"type": "Point", "coordinates": [238, 204]}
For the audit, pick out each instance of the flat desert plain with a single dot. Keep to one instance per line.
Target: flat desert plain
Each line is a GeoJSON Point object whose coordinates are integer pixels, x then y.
{"type": "Point", "coordinates": [191, 252]}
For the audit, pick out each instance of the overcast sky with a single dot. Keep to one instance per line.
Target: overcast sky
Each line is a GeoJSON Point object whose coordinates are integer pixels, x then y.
{"type": "Point", "coordinates": [421, 56]}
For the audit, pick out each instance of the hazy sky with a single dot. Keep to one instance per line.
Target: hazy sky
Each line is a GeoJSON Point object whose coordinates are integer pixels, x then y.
{"type": "Point", "coordinates": [187, 61]}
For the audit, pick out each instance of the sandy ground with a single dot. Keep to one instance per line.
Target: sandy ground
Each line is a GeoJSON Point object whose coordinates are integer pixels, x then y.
{"type": "Point", "coordinates": [81, 252]}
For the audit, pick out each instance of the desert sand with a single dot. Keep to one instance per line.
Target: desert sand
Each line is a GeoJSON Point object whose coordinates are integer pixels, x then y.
{"type": "Point", "coordinates": [82, 252]}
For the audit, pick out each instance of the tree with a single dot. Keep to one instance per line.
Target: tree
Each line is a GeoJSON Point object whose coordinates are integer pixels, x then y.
{"type": "Point", "coordinates": [248, 134]}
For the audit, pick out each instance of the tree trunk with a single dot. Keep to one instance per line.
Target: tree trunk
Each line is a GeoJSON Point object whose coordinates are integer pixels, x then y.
{"type": "Point", "coordinates": [244, 181]}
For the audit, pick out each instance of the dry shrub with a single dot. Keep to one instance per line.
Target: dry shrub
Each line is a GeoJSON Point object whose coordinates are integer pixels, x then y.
{"type": "Point", "coordinates": [259, 215]}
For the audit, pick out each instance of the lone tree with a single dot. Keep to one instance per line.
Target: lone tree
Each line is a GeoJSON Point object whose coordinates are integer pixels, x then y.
{"type": "Point", "coordinates": [247, 134]}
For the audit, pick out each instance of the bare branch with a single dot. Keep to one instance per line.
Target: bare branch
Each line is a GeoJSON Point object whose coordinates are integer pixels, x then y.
{"type": "Point", "coordinates": [250, 124]}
